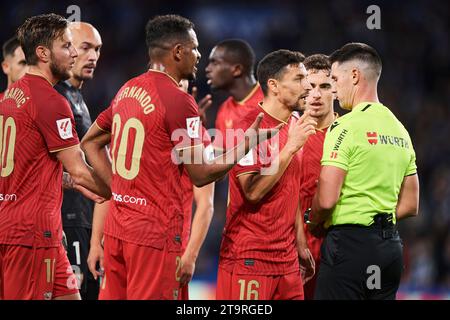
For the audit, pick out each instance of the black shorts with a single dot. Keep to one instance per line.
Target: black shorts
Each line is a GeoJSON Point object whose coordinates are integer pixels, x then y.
{"type": "Point", "coordinates": [360, 263]}
{"type": "Point", "coordinates": [78, 244]}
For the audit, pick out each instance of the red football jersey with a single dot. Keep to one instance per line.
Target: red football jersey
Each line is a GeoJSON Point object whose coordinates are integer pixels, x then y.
{"type": "Point", "coordinates": [35, 122]}
{"type": "Point", "coordinates": [232, 112]}
{"type": "Point", "coordinates": [1, 95]}
{"type": "Point", "coordinates": [149, 117]}
{"type": "Point", "coordinates": [260, 238]}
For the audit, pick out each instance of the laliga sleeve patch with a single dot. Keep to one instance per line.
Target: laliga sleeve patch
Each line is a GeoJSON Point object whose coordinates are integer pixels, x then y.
{"type": "Point", "coordinates": [64, 128]}
{"type": "Point", "coordinates": [248, 160]}
{"type": "Point", "coordinates": [193, 126]}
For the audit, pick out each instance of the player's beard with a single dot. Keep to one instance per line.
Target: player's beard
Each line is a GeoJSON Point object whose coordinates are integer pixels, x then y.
{"type": "Point", "coordinates": [58, 70]}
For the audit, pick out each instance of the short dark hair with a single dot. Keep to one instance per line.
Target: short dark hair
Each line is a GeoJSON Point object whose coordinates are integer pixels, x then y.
{"type": "Point", "coordinates": [162, 30]}
{"type": "Point", "coordinates": [317, 62]}
{"type": "Point", "coordinates": [40, 30]}
{"type": "Point", "coordinates": [10, 46]}
{"type": "Point", "coordinates": [358, 51]}
{"type": "Point", "coordinates": [239, 51]}
{"type": "Point", "coordinates": [274, 65]}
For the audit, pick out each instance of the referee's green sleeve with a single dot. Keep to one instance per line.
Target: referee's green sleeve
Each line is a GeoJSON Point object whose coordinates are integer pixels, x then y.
{"type": "Point", "coordinates": [412, 167]}
{"type": "Point", "coordinates": [337, 148]}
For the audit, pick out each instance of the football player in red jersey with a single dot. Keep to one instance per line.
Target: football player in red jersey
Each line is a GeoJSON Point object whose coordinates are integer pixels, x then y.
{"type": "Point", "coordinates": [230, 68]}
{"type": "Point", "coordinates": [320, 104]}
{"type": "Point", "coordinates": [14, 65]}
{"type": "Point", "coordinates": [39, 138]}
{"type": "Point", "coordinates": [263, 235]}
{"type": "Point", "coordinates": [155, 131]}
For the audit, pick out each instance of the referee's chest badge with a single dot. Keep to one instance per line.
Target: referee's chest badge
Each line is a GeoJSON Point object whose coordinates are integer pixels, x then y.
{"type": "Point", "coordinates": [372, 137]}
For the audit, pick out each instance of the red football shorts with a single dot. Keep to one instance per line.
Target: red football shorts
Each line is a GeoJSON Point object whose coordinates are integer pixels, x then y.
{"type": "Point", "coordinates": [35, 273]}
{"type": "Point", "coordinates": [235, 286]}
{"type": "Point", "coordinates": [134, 272]}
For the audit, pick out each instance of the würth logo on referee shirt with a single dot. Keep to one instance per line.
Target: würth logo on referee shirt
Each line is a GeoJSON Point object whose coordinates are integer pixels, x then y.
{"type": "Point", "coordinates": [64, 128]}
{"type": "Point", "coordinates": [372, 137]}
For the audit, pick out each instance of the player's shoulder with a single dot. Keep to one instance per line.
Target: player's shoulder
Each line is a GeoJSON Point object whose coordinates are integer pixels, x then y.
{"type": "Point", "coordinates": [228, 103]}
{"type": "Point", "coordinates": [255, 97]}
{"type": "Point", "coordinates": [42, 93]}
{"type": "Point", "coordinates": [250, 117]}
{"type": "Point", "coordinates": [172, 95]}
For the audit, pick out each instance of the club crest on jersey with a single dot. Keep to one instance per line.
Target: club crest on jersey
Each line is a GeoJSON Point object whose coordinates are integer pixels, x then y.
{"type": "Point", "coordinates": [64, 128]}
{"type": "Point", "coordinates": [193, 126]}
{"type": "Point", "coordinates": [48, 295]}
{"type": "Point", "coordinates": [372, 137]}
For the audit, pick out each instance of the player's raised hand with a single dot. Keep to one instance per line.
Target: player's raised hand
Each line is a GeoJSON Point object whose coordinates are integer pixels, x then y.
{"type": "Point", "coordinates": [300, 131]}
{"type": "Point", "coordinates": [203, 104]}
{"type": "Point", "coordinates": [95, 256]}
{"type": "Point", "coordinates": [187, 269]}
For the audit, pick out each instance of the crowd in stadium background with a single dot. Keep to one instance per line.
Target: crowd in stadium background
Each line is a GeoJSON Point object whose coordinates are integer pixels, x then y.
{"type": "Point", "coordinates": [414, 45]}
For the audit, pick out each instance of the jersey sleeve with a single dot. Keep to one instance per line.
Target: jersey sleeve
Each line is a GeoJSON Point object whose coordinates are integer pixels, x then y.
{"type": "Point", "coordinates": [104, 120]}
{"type": "Point", "coordinates": [338, 148]}
{"type": "Point", "coordinates": [56, 124]}
{"type": "Point", "coordinates": [182, 121]}
{"type": "Point", "coordinates": [248, 164]}
{"type": "Point", "coordinates": [257, 160]}
{"type": "Point", "coordinates": [412, 167]}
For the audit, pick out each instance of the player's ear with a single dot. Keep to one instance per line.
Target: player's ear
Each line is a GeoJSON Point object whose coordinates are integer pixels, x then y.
{"type": "Point", "coordinates": [177, 52]}
{"type": "Point", "coordinates": [236, 70]}
{"type": "Point", "coordinates": [5, 67]}
{"type": "Point", "coordinates": [272, 84]}
{"type": "Point", "coordinates": [43, 53]}
{"type": "Point", "coordinates": [356, 74]}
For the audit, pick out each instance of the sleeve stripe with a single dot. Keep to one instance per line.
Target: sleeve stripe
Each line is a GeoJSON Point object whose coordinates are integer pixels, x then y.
{"type": "Point", "coordinates": [57, 150]}
{"type": "Point", "coordinates": [98, 126]}
{"type": "Point", "coordinates": [184, 148]}
{"type": "Point", "coordinates": [247, 172]}
{"type": "Point", "coordinates": [411, 174]}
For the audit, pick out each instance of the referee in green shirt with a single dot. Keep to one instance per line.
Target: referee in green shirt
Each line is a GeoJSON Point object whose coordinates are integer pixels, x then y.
{"type": "Point", "coordinates": [367, 183]}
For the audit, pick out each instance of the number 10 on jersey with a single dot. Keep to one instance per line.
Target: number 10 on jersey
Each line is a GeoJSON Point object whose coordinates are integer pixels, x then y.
{"type": "Point", "coordinates": [119, 152]}
{"type": "Point", "coordinates": [7, 144]}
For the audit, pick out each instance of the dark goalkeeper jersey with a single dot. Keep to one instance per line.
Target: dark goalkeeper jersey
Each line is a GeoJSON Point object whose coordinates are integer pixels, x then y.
{"type": "Point", "coordinates": [76, 209]}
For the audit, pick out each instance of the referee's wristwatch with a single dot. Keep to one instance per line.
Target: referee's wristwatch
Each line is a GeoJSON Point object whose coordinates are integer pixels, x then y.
{"type": "Point", "coordinates": [306, 217]}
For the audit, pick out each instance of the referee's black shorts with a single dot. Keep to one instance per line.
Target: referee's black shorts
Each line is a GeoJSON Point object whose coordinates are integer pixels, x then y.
{"type": "Point", "coordinates": [360, 263]}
